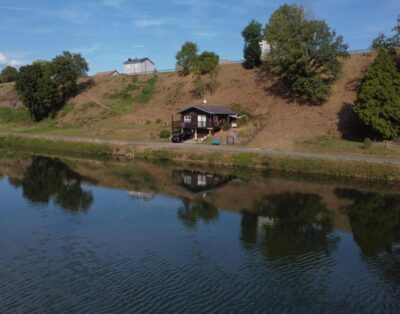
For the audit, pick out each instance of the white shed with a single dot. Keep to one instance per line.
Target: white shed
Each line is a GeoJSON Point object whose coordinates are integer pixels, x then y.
{"type": "Point", "coordinates": [139, 66]}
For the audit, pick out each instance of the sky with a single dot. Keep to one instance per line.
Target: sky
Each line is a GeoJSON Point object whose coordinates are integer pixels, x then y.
{"type": "Point", "coordinates": [108, 32]}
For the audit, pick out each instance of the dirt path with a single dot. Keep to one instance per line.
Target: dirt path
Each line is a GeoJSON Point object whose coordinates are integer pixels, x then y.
{"type": "Point", "coordinates": [201, 147]}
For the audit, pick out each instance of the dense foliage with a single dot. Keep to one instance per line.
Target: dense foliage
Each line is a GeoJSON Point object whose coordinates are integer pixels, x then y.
{"type": "Point", "coordinates": [252, 35]}
{"type": "Point", "coordinates": [8, 74]}
{"type": "Point", "coordinates": [378, 100]}
{"type": "Point", "coordinates": [207, 63]}
{"type": "Point", "coordinates": [381, 41]}
{"type": "Point", "coordinates": [44, 87]}
{"type": "Point", "coordinates": [304, 53]}
{"type": "Point", "coordinates": [186, 57]}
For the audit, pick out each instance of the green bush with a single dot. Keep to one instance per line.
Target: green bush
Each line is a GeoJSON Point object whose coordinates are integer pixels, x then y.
{"type": "Point", "coordinates": [165, 134]}
{"type": "Point", "coordinates": [242, 160]}
{"type": "Point", "coordinates": [367, 143]}
{"type": "Point", "coordinates": [226, 126]}
{"type": "Point", "coordinates": [378, 100]}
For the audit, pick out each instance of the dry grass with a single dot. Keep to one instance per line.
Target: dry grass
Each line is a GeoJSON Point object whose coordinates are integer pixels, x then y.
{"type": "Point", "coordinates": [278, 122]}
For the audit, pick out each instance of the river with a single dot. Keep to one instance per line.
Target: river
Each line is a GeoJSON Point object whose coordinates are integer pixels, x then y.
{"type": "Point", "coordinates": [93, 236]}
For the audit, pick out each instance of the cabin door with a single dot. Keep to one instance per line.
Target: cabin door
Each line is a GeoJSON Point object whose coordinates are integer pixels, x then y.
{"type": "Point", "coordinates": [201, 121]}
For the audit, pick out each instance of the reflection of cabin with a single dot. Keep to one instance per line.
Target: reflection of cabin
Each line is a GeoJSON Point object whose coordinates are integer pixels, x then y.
{"type": "Point", "coordinates": [201, 120]}
{"type": "Point", "coordinates": [197, 182]}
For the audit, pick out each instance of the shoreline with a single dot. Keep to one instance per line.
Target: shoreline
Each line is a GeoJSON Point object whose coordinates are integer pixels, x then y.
{"type": "Point", "coordinates": [332, 165]}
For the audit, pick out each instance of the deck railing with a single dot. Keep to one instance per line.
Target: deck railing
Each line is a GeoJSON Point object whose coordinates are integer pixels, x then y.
{"type": "Point", "coordinates": [196, 125]}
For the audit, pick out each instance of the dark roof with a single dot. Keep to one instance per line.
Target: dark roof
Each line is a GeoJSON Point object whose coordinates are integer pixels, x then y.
{"type": "Point", "coordinates": [107, 73]}
{"type": "Point", "coordinates": [136, 60]}
{"type": "Point", "coordinates": [211, 109]}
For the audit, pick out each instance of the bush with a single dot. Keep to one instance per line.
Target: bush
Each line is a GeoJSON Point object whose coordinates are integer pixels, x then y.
{"type": "Point", "coordinates": [165, 134]}
{"type": "Point", "coordinates": [367, 143]}
{"type": "Point", "coordinates": [158, 121]}
{"type": "Point", "coordinates": [378, 100]}
{"type": "Point", "coordinates": [242, 160]}
{"type": "Point", "coordinates": [148, 122]}
{"type": "Point", "coordinates": [226, 126]}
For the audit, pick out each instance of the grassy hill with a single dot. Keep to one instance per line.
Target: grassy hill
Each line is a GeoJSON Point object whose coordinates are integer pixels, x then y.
{"type": "Point", "coordinates": [138, 108]}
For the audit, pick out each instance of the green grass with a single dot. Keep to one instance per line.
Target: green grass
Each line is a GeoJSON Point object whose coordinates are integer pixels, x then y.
{"type": "Point", "coordinates": [123, 99]}
{"type": "Point", "coordinates": [242, 160]}
{"type": "Point", "coordinates": [148, 90]}
{"type": "Point", "coordinates": [50, 146]}
{"type": "Point", "coordinates": [11, 115]}
{"type": "Point", "coordinates": [327, 144]}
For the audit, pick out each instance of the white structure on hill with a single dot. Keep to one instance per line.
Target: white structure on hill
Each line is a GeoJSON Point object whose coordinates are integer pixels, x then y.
{"type": "Point", "coordinates": [265, 48]}
{"type": "Point", "coordinates": [138, 66]}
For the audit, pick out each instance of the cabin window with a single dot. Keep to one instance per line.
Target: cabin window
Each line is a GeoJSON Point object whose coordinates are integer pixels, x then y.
{"type": "Point", "coordinates": [187, 119]}
{"type": "Point", "coordinates": [201, 180]}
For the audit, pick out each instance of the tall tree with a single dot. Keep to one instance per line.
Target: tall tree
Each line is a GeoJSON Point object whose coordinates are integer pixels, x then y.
{"type": "Point", "coordinates": [8, 74]}
{"type": "Point", "coordinates": [378, 100]}
{"type": "Point", "coordinates": [66, 69]}
{"type": "Point", "coordinates": [44, 86]}
{"type": "Point", "coordinates": [304, 53]}
{"type": "Point", "coordinates": [38, 91]}
{"type": "Point", "coordinates": [187, 56]}
{"type": "Point", "coordinates": [252, 35]}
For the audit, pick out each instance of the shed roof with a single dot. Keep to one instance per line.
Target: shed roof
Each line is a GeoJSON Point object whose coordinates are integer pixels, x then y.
{"type": "Point", "coordinates": [136, 60]}
{"type": "Point", "coordinates": [106, 73]}
{"type": "Point", "coordinates": [211, 109]}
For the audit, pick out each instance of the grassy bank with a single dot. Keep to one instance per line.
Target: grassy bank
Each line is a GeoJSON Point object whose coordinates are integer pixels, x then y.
{"type": "Point", "coordinates": [41, 146]}
{"type": "Point", "coordinates": [339, 169]}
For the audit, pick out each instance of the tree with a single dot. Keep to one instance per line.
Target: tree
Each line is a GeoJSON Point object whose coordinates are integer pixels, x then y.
{"type": "Point", "coordinates": [38, 91]}
{"type": "Point", "coordinates": [304, 53]}
{"type": "Point", "coordinates": [187, 56]}
{"type": "Point", "coordinates": [44, 86]}
{"type": "Point", "coordinates": [252, 38]}
{"type": "Point", "coordinates": [8, 74]}
{"type": "Point", "coordinates": [378, 100]}
{"type": "Point", "coordinates": [207, 63]}
{"type": "Point", "coordinates": [66, 69]}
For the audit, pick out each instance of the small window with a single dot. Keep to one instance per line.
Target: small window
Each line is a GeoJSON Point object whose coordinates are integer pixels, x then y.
{"type": "Point", "coordinates": [187, 119]}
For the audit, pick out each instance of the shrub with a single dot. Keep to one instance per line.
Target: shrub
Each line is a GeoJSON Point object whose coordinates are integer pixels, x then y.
{"type": "Point", "coordinates": [158, 121]}
{"type": "Point", "coordinates": [367, 143]}
{"type": "Point", "coordinates": [378, 100]}
{"type": "Point", "coordinates": [148, 122]}
{"type": "Point", "coordinates": [226, 126]}
{"type": "Point", "coordinates": [165, 134]}
{"type": "Point", "coordinates": [242, 160]}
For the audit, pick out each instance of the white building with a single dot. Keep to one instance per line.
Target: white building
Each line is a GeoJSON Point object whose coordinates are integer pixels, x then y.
{"type": "Point", "coordinates": [265, 48]}
{"type": "Point", "coordinates": [138, 66]}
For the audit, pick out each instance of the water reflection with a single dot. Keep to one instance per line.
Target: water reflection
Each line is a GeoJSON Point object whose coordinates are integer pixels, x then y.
{"type": "Point", "coordinates": [375, 220]}
{"type": "Point", "coordinates": [196, 181]}
{"type": "Point", "coordinates": [49, 179]}
{"type": "Point", "coordinates": [193, 211]}
{"type": "Point", "coordinates": [290, 224]}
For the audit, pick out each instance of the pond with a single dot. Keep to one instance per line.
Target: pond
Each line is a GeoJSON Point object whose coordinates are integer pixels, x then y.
{"type": "Point", "coordinates": [113, 236]}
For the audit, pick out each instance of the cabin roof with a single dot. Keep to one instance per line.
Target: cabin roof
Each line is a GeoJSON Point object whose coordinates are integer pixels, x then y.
{"type": "Point", "coordinates": [136, 60]}
{"type": "Point", "coordinates": [211, 109]}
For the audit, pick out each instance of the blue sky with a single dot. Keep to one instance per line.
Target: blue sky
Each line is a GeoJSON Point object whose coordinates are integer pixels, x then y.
{"type": "Point", "coordinates": [107, 32]}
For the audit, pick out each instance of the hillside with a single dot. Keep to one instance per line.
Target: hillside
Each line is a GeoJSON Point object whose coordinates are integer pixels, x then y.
{"type": "Point", "coordinates": [121, 107]}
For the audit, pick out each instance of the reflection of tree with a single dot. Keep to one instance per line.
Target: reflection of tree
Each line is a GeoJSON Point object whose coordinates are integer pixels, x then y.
{"type": "Point", "coordinates": [193, 211]}
{"type": "Point", "coordinates": [375, 220]}
{"type": "Point", "coordinates": [294, 224]}
{"type": "Point", "coordinates": [48, 179]}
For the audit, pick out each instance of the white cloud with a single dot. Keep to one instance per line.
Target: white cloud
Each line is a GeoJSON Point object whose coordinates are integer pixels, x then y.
{"type": "Point", "coordinates": [150, 22]}
{"type": "Point", "coordinates": [15, 63]}
{"type": "Point", "coordinates": [113, 3]}
{"type": "Point", "coordinates": [3, 59]}
{"type": "Point", "coordinates": [139, 46]}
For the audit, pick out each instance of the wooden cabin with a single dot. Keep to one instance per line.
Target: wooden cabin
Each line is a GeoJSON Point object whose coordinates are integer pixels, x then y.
{"type": "Point", "coordinates": [201, 120]}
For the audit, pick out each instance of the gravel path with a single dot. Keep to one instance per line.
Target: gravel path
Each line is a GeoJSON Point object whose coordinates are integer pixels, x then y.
{"type": "Point", "coordinates": [202, 147]}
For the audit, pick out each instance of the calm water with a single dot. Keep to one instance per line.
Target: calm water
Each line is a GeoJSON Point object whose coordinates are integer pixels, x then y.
{"type": "Point", "coordinates": [81, 236]}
